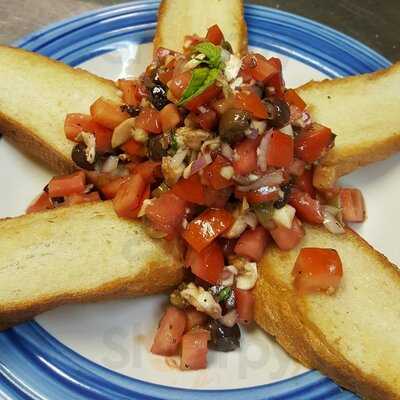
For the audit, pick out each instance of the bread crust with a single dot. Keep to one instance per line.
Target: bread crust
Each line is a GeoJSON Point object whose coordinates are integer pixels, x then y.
{"type": "Point", "coordinates": [282, 313]}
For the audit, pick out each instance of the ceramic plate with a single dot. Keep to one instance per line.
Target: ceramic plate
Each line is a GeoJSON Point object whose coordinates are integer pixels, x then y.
{"type": "Point", "coordinates": [101, 350]}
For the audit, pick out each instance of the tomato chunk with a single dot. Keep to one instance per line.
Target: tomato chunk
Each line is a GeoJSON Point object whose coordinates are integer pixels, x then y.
{"type": "Point", "coordinates": [280, 150]}
{"type": "Point", "coordinates": [215, 35]}
{"type": "Point", "coordinates": [305, 182]}
{"type": "Point", "coordinates": [149, 170]}
{"type": "Point", "coordinates": [166, 213]}
{"type": "Point", "coordinates": [107, 113]}
{"type": "Point", "coordinates": [261, 195]}
{"type": "Point", "coordinates": [259, 67]}
{"type": "Point", "coordinates": [317, 270]}
{"type": "Point", "coordinates": [195, 319]}
{"type": "Point", "coordinates": [203, 98]}
{"type": "Point", "coordinates": [244, 305]}
{"type": "Point", "coordinates": [208, 264]}
{"type": "Point", "coordinates": [110, 189]}
{"type": "Point", "coordinates": [149, 120]}
{"type": "Point", "coordinates": [82, 198]}
{"type": "Point", "coordinates": [307, 208]}
{"type": "Point", "coordinates": [179, 83]}
{"type": "Point", "coordinates": [130, 93]}
{"type": "Point", "coordinates": [169, 117]}
{"type": "Point", "coordinates": [245, 160]}
{"type": "Point", "coordinates": [212, 173]}
{"type": "Point", "coordinates": [206, 227]}
{"type": "Point", "coordinates": [250, 102]}
{"type": "Point", "coordinates": [276, 81]}
{"type": "Point", "coordinates": [41, 203]}
{"type": "Point", "coordinates": [352, 204]}
{"type": "Point", "coordinates": [313, 143]}
{"type": "Point", "coordinates": [294, 99]}
{"type": "Point", "coordinates": [66, 185]}
{"type": "Point", "coordinates": [216, 198]}
{"type": "Point", "coordinates": [287, 239]}
{"type": "Point", "coordinates": [195, 349]}
{"type": "Point", "coordinates": [169, 333]}
{"type": "Point", "coordinates": [207, 120]}
{"type": "Point", "coordinates": [134, 148]}
{"type": "Point", "coordinates": [128, 200]}
{"type": "Point", "coordinates": [252, 243]}
{"type": "Point", "coordinates": [190, 189]}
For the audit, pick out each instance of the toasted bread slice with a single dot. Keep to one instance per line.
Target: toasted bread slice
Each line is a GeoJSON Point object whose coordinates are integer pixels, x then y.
{"type": "Point", "coordinates": [78, 254]}
{"type": "Point", "coordinates": [351, 336]}
{"type": "Point", "coordinates": [363, 111]}
{"type": "Point", "coordinates": [178, 18]}
{"type": "Point", "coordinates": [36, 93]}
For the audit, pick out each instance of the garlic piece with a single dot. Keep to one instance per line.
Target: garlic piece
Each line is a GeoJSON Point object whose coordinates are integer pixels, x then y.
{"type": "Point", "coordinates": [284, 216]}
{"type": "Point", "coordinates": [123, 132]}
{"type": "Point", "coordinates": [248, 278]}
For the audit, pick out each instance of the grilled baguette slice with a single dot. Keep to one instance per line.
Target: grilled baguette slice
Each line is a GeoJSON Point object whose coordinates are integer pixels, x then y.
{"type": "Point", "coordinates": [79, 254]}
{"type": "Point", "coordinates": [178, 18]}
{"type": "Point", "coordinates": [363, 111]}
{"type": "Point", "coordinates": [36, 93]}
{"type": "Point", "coordinates": [352, 336]}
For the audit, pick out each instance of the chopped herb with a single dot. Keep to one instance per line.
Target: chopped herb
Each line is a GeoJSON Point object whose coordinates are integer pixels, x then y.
{"type": "Point", "coordinates": [212, 53]}
{"type": "Point", "coordinates": [224, 294]}
{"type": "Point", "coordinates": [174, 143]}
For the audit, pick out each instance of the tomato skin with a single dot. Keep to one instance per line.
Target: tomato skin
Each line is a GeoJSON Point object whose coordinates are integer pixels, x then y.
{"type": "Point", "coordinates": [212, 173]}
{"type": "Point", "coordinates": [261, 195]}
{"type": "Point", "coordinates": [107, 113]}
{"type": "Point", "coordinates": [259, 67]}
{"type": "Point", "coordinates": [313, 143]}
{"type": "Point", "coordinates": [287, 239]}
{"type": "Point", "coordinates": [208, 264]}
{"type": "Point", "coordinates": [291, 97]}
{"type": "Point", "coordinates": [244, 305]}
{"type": "Point", "coordinates": [317, 270]}
{"type": "Point", "coordinates": [149, 170]}
{"type": "Point", "coordinates": [352, 204]}
{"type": "Point", "coordinates": [179, 83]}
{"type": "Point", "coordinates": [203, 98]}
{"type": "Point", "coordinates": [169, 117]}
{"type": "Point", "coordinates": [130, 94]}
{"type": "Point", "coordinates": [169, 333]}
{"type": "Point", "coordinates": [307, 208]}
{"type": "Point", "coordinates": [214, 35]}
{"type": "Point", "coordinates": [149, 120]}
{"type": "Point", "coordinates": [276, 81]}
{"type": "Point", "coordinates": [207, 120]}
{"type": "Point", "coordinates": [195, 349]}
{"type": "Point", "coordinates": [66, 185]}
{"type": "Point", "coordinates": [252, 243]}
{"type": "Point", "coordinates": [82, 198]}
{"type": "Point", "coordinates": [166, 213]}
{"type": "Point", "coordinates": [194, 319]}
{"type": "Point", "coordinates": [134, 148]}
{"type": "Point", "coordinates": [206, 227]}
{"type": "Point", "coordinates": [41, 203]}
{"type": "Point", "coordinates": [216, 198]}
{"type": "Point", "coordinates": [305, 182]}
{"type": "Point", "coordinates": [280, 150]}
{"type": "Point", "coordinates": [110, 189]}
{"type": "Point", "coordinates": [250, 102]}
{"type": "Point", "coordinates": [129, 197]}
{"type": "Point", "coordinates": [245, 160]}
{"type": "Point", "coordinates": [190, 190]}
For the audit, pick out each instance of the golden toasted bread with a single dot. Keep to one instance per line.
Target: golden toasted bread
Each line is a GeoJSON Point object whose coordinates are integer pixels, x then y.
{"type": "Point", "coordinates": [36, 93]}
{"type": "Point", "coordinates": [79, 254]}
{"type": "Point", "coordinates": [178, 18]}
{"type": "Point", "coordinates": [351, 336]}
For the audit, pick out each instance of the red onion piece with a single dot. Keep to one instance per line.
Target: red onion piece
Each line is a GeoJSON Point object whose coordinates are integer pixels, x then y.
{"type": "Point", "coordinates": [297, 167]}
{"type": "Point", "coordinates": [272, 179]}
{"type": "Point", "coordinates": [200, 163]}
{"type": "Point", "coordinates": [227, 151]}
{"type": "Point", "coordinates": [262, 152]}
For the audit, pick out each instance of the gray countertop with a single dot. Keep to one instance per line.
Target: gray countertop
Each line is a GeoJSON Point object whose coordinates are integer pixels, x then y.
{"type": "Point", "coordinates": [375, 23]}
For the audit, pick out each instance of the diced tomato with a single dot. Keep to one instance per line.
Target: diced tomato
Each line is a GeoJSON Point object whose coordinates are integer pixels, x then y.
{"type": "Point", "coordinates": [280, 150]}
{"type": "Point", "coordinates": [212, 173]}
{"type": "Point", "coordinates": [169, 117]}
{"type": "Point", "coordinates": [307, 208]}
{"type": "Point", "coordinates": [208, 264]}
{"type": "Point", "coordinates": [130, 93]}
{"type": "Point", "coordinates": [261, 195]}
{"type": "Point", "coordinates": [195, 349]}
{"type": "Point", "coordinates": [216, 198]}
{"type": "Point", "coordinates": [169, 333]}
{"type": "Point", "coordinates": [244, 305]}
{"type": "Point", "coordinates": [252, 243]}
{"type": "Point", "coordinates": [66, 185]}
{"type": "Point", "coordinates": [215, 35]}
{"type": "Point", "coordinates": [166, 213]}
{"type": "Point", "coordinates": [206, 227]}
{"type": "Point", "coordinates": [128, 200]}
{"type": "Point", "coordinates": [259, 67]}
{"type": "Point", "coordinates": [166, 75]}
{"type": "Point", "coordinates": [352, 204]}
{"type": "Point", "coordinates": [276, 81]}
{"type": "Point", "coordinates": [195, 319]}
{"type": "Point", "coordinates": [82, 198]}
{"type": "Point", "coordinates": [190, 189]}
{"type": "Point", "coordinates": [304, 182]}
{"type": "Point", "coordinates": [107, 113]}
{"type": "Point", "coordinates": [245, 160]}
{"type": "Point", "coordinates": [207, 120]}
{"type": "Point", "coordinates": [99, 178]}
{"type": "Point", "coordinates": [313, 143]}
{"type": "Point", "coordinates": [203, 98]}
{"type": "Point", "coordinates": [149, 170]}
{"type": "Point", "coordinates": [250, 102]}
{"type": "Point", "coordinates": [110, 189]}
{"type": "Point", "coordinates": [179, 83]}
{"type": "Point", "coordinates": [103, 138]}
{"type": "Point", "coordinates": [149, 120]}
{"type": "Point", "coordinates": [317, 270]}
{"type": "Point", "coordinates": [291, 97]}
{"type": "Point", "coordinates": [41, 203]}
{"type": "Point", "coordinates": [134, 148]}
{"type": "Point", "coordinates": [287, 239]}
{"type": "Point", "coordinates": [222, 105]}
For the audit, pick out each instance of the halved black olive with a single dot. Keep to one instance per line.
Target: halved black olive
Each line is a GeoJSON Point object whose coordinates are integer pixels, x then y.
{"type": "Point", "coordinates": [278, 112]}
{"type": "Point", "coordinates": [233, 124]}
{"type": "Point", "coordinates": [158, 96]}
{"type": "Point", "coordinates": [78, 156]}
{"type": "Point", "coordinates": [224, 338]}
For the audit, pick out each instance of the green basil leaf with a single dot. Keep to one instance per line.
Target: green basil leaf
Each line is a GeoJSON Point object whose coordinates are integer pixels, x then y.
{"type": "Point", "coordinates": [198, 78]}
{"type": "Point", "coordinates": [212, 53]}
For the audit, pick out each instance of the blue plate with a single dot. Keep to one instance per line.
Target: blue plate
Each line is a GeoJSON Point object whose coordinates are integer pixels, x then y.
{"type": "Point", "coordinates": [33, 364]}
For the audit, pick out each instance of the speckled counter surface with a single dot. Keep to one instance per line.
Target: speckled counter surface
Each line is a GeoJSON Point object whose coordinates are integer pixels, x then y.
{"type": "Point", "coordinates": [375, 23]}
